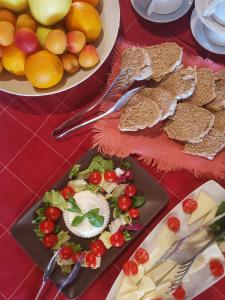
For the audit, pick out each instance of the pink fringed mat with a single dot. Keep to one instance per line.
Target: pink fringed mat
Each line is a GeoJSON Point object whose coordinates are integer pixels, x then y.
{"type": "Point", "coordinates": [152, 145]}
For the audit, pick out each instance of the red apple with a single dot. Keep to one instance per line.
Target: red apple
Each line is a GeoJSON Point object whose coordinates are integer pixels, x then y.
{"type": "Point", "coordinates": [26, 40]}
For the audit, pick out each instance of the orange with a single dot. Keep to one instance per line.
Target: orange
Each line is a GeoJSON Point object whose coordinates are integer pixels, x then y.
{"type": "Point", "coordinates": [43, 69]}
{"type": "Point", "coordinates": [8, 16]}
{"type": "Point", "coordinates": [13, 60]}
{"type": "Point", "coordinates": [84, 17]}
{"type": "Point", "coordinates": [92, 2]}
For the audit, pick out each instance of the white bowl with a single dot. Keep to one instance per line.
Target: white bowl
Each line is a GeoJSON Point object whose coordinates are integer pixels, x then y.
{"type": "Point", "coordinates": [110, 16]}
{"type": "Point", "coordinates": [216, 38]}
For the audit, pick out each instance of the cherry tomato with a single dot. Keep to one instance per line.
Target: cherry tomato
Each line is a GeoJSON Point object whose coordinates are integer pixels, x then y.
{"type": "Point", "coordinates": [141, 256]}
{"type": "Point", "coordinates": [53, 213]}
{"type": "Point", "coordinates": [47, 226]}
{"type": "Point", "coordinates": [67, 192]}
{"type": "Point", "coordinates": [50, 240]}
{"type": "Point", "coordinates": [173, 223]}
{"type": "Point", "coordinates": [66, 252]}
{"type": "Point", "coordinates": [130, 268]}
{"type": "Point", "coordinates": [75, 256]}
{"type": "Point", "coordinates": [179, 293]}
{"type": "Point", "coordinates": [134, 213]}
{"type": "Point", "coordinates": [98, 248]}
{"type": "Point", "coordinates": [190, 205]}
{"type": "Point", "coordinates": [95, 177]}
{"type": "Point", "coordinates": [131, 190]}
{"type": "Point", "coordinates": [90, 260]}
{"type": "Point", "coordinates": [216, 267]}
{"type": "Point", "coordinates": [117, 239]}
{"type": "Point", "coordinates": [124, 202]}
{"type": "Point", "coordinates": [110, 176]}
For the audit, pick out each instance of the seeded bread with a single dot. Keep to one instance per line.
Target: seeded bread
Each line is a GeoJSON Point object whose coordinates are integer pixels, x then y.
{"type": "Point", "coordinates": [138, 61]}
{"type": "Point", "coordinates": [210, 145]}
{"type": "Point", "coordinates": [164, 99]}
{"type": "Point", "coordinates": [166, 58]}
{"type": "Point", "coordinates": [219, 122]}
{"type": "Point", "coordinates": [190, 123]}
{"type": "Point", "coordinates": [139, 113]}
{"type": "Point", "coordinates": [219, 102]}
{"type": "Point", "coordinates": [205, 88]}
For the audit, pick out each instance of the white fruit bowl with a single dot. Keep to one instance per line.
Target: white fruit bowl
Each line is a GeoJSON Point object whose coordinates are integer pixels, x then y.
{"type": "Point", "coordinates": [110, 16]}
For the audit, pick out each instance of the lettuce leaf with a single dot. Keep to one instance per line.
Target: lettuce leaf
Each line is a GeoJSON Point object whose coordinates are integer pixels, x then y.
{"type": "Point", "coordinates": [100, 164]}
{"type": "Point", "coordinates": [55, 199]}
{"type": "Point", "coordinates": [63, 237]}
{"type": "Point", "coordinates": [74, 171]}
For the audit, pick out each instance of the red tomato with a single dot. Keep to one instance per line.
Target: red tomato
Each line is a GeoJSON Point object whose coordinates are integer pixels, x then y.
{"type": "Point", "coordinates": [47, 226]}
{"type": "Point", "coordinates": [141, 256]}
{"type": "Point", "coordinates": [117, 239]}
{"type": "Point", "coordinates": [98, 248]}
{"type": "Point", "coordinates": [67, 192]}
{"type": "Point", "coordinates": [124, 202]}
{"type": "Point", "coordinates": [134, 213]}
{"type": "Point", "coordinates": [66, 252]}
{"type": "Point", "coordinates": [90, 260]}
{"type": "Point", "coordinates": [50, 240]}
{"type": "Point", "coordinates": [95, 177]}
{"type": "Point", "coordinates": [130, 268]}
{"type": "Point", "coordinates": [110, 176]}
{"type": "Point", "coordinates": [179, 293]}
{"type": "Point", "coordinates": [190, 205]}
{"type": "Point", "coordinates": [216, 267]}
{"type": "Point", "coordinates": [75, 256]}
{"type": "Point", "coordinates": [173, 223]}
{"type": "Point", "coordinates": [131, 190]}
{"type": "Point", "coordinates": [53, 213]}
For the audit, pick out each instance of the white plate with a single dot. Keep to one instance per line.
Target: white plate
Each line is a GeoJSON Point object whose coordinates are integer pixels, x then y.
{"type": "Point", "coordinates": [21, 86]}
{"type": "Point", "coordinates": [201, 279]}
{"type": "Point", "coordinates": [197, 28]}
{"type": "Point", "coordinates": [141, 8]}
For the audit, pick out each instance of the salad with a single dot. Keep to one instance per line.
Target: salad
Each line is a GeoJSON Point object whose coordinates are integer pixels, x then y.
{"type": "Point", "coordinates": [100, 202]}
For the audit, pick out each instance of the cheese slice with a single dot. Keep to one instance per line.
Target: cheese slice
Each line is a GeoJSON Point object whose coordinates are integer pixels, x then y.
{"type": "Point", "coordinates": [222, 246]}
{"type": "Point", "coordinates": [137, 295]}
{"type": "Point", "coordinates": [205, 205]}
{"type": "Point", "coordinates": [126, 287]}
{"type": "Point", "coordinates": [170, 276]}
{"type": "Point", "coordinates": [211, 215]}
{"type": "Point", "coordinates": [156, 253]}
{"type": "Point", "coordinates": [199, 262]}
{"type": "Point", "coordinates": [165, 239]}
{"type": "Point", "coordinates": [151, 295]}
{"type": "Point", "coordinates": [136, 278]}
{"type": "Point", "coordinates": [158, 272]}
{"type": "Point", "coordinates": [146, 284]}
{"type": "Point", "coordinates": [198, 239]}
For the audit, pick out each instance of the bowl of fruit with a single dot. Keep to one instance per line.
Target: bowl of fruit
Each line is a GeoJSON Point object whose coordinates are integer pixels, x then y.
{"type": "Point", "coordinates": [49, 46]}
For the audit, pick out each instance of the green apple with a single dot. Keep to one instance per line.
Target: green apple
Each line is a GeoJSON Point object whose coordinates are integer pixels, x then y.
{"type": "Point", "coordinates": [49, 12]}
{"type": "Point", "coordinates": [14, 5]}
{"type": "Point", "coordinates": [42, 33]}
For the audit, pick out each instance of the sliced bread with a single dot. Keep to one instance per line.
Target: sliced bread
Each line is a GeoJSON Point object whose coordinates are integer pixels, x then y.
{"type": "Point", "coordinates": [190, 123]}
{"type": "Point", "coordinates": [219, 122]}
{"type": "Point", "coordinates": [209, 146]}
{"type": "Point", "coordinates": [205, 87]}
{"type": "Point", "coordinates": [219, 102]}
{"type": "Point", "coordinates": [138, 62]}
{"type": "Point", "coordinates": [166, 58]}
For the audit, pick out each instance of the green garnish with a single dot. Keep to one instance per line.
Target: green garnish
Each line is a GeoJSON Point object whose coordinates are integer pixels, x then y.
{"type": "Point", "coordinates": [74, 171]}
{"type": "Point", "coordinates": [127, 235]}
{"type": "Point", "coordinates": [54, 198]}
{"type": "Point", "coordinates": [218, 226]}
{"type": "Point", "coordinates": [125, 165]}
{"type": "Point", "coordinates": [63, 237]}
{"type": "Point", "coordinates": [138, 201]}
{"type": "Point", "coordinates": [93, 216]}
{"type": "Point", "coordinates": [74, 206]}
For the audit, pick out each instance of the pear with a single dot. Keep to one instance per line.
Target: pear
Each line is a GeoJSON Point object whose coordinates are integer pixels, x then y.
{"type": "Point", "coordinates": [49, 12]}
{"type": "Point", "coordinates": [14, 5]}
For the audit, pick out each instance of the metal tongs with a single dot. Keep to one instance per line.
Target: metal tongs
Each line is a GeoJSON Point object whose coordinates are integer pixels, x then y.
{"type": "Point", "coordinates": [68, 280]}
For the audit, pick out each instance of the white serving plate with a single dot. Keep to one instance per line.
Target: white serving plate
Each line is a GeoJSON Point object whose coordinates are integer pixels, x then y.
{"type": "Point", "coordinates": [201, 279]}
{"type": "Point", "coordinates": [109, 10]}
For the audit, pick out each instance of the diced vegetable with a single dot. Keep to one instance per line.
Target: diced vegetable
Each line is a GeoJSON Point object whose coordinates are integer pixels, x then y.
{"type": "Point", "coordinates": [105, 238]}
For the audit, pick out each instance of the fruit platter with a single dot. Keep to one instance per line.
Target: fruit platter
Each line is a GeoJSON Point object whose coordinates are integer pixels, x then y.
{"type": "Point", "coordinates": [144, 278]}
{"type": "Point", "coordinates": [45, 51]}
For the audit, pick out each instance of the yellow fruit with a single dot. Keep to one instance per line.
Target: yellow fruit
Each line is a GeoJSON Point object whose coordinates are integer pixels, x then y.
{"type": "Point", "coordinates": [70, 63]}
{"type": "Point", "coordinates": [56, 41]}
{"type": "Point", "coordinates": [8, 16]}
{"type": "Point", "coordinates": [26, 20]}
{"type": "Point", "coordinates": [13, 60]}
{"type": "Point", "coordinates": [1, 50]}
{"type": "Point", "coordinates": [1, 66]}
{"type": "Point", "coordinates": [92, 2]}
{"type": "Point", "coordinates": [84, 17]}
{"type": "Point", "coordinates": [14, 5]}
{"type": "Point", "coordinates": [7, 31]}
{"type": "Point", "coordinates": [88, 57]}
{"type": "Point", "coordinates": [43, 69]}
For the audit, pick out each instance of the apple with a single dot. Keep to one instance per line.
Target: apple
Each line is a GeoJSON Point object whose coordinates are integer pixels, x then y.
{"type": "Point", "coordinates": [14, 5]}
{"type": "Point", "coordinates": [49, 12]}
{"type": "Point", "coordinates": [26, 40]}
{"type": "Point", "coordinates": [42, 33]}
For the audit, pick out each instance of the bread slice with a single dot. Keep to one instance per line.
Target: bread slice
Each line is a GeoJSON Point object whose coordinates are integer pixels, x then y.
{"type": "Point", "coordinates": [211, 144]}
{"type": "Point", "coordinates": [138, 62]}
{"type": "Point", "coordinates": [165, 57]}
{"type": "Point", "coordinates": [219, 122]}
{"type": "Point", "coordinates": [189, 124]}
{"type": "Point", "coordinates": [205, 88]}
{"type": "Point", "coordinates": [139, 113]}
{"type": "Point", "coordinates": [164, 99]}
{"type": "Point", "coordinates": [219, 102]}
{"type": "Point", "coordinates": [180, 83]}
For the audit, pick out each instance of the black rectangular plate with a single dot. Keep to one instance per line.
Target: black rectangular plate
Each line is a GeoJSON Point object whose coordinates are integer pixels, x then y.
{"type": "Point", "coordinates": [23, 231]}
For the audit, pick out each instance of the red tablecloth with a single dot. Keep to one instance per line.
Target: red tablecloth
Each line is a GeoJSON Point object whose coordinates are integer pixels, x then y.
{"type": "Point", "coordinates": [31, 161]}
